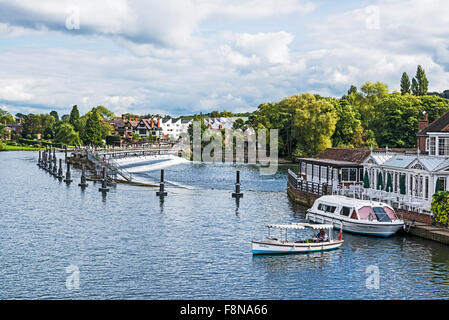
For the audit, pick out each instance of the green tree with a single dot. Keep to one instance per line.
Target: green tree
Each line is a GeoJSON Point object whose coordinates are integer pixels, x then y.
{"type": "Point", "coordinates": [74, 117]}
{"type": "Point", "coordinates": [5, 116]}
{"type": "Point", "coordinates": [66, 134]}
{"type": "Point", "coordinates": [92, 131]}
{"type": "Point", "coordinates": [405, 84]}
{"type": "Point", "coordinates": [55, 115]}
{"type": "Point", "coordinates": [396, 124]}
{"type": "Point", "coordinates": [415, 87]}
{"type": "Point", "coordinates": [423, 83]}
{"type": "Point", "coordinates": [348, 129]}
{"type": "Point", "coordinates": [365, 102]}
{"type": "Point", "coordinates": [314, 124]}
{"type": "Point", "coordinates": [105, 112]}
{"type": "Point", "coordinates": [31, 124]}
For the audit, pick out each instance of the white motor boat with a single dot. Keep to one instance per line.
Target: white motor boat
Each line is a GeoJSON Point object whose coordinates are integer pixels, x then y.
{"type": "Point", "coordinates": [314, 243]}
{"type": "Point", "coordinates": [356, 216]}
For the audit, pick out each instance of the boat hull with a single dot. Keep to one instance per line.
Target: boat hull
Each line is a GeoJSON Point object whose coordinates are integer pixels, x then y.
{"type": "Point", "coordinates": [368, 228]}
{"type": "Point", "coordinates": [262, 247]}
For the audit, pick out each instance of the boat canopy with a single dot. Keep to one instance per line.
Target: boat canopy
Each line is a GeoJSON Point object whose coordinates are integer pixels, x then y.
{"type": "Point", "coordinates": [300, 226]}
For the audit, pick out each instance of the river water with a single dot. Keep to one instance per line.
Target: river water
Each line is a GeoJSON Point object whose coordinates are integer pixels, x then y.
{"type": "Point", "coordinates": [59, 242]}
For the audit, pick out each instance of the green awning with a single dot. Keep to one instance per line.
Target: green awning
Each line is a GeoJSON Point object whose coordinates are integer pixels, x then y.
{"type": "Point", "coordinates": [389, 187]}
{"type": "Point", "coordinates": [402, 184]}
{"type": "Point", "coordinates": [380, 181]}
{"type": "Point", "coordinates": [438, 185]}
{"type": "Point", "coordinates": [366, 180]}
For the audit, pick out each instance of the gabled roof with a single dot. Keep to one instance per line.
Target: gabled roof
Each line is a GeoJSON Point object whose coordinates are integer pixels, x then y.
{"type": "Point", "coordinates": [439, 125]}
{"type": "Point", "coordinates": [429, 163]}
{"type": "Point", "coordinates": [148, 123]}
{"type": "Point", "coordinates": [133, 123]}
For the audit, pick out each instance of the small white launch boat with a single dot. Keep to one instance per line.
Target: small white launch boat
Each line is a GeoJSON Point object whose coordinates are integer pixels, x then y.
{"type": "Point", "coordinates": [356, 216]}
{"type": "Point", "coordinates": [313, 243]}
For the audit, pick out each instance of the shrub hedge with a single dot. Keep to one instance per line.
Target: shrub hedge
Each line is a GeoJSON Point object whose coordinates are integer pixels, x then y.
{"type": "Point", "coordinates": [42, 143]}
{"type": "Point", "coordinates": [440, 207]}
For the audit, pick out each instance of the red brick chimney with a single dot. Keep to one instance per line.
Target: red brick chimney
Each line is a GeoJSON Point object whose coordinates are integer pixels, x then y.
{"type": "Point", "coordinates": [422, 124]}
{"type": "Point", "coordinates": [158, 122]}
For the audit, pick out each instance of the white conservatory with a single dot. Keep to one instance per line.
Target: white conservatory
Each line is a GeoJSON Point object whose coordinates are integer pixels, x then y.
{"type": "Point", "coordinates": [419, 174]}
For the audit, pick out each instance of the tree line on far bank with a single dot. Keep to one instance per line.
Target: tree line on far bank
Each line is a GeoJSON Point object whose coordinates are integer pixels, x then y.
{"type": "Point", "coordinates": [307, 123]}
{"type": "Point", "coordinates": [73, 129]}
{"type": "Point", "coordinates": [365, 117]}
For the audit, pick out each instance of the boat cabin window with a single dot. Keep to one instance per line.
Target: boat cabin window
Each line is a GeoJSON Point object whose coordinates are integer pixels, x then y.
{"type": "Point", "coordinates": [345, 211]}
{"type": "Point", "coordinates": [326, 208]}
{"type": "Point", "coordinates": [381, 214]}
{"type": "Point", "coordinates": [391, 214]}
{"type": "Point", "coordinates": [367, 213]}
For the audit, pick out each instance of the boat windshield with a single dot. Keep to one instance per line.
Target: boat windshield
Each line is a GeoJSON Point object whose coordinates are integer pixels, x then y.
{"type": "Point", "coordinates": [391, 213]}
{"type": "Point", "coordinates": [381, 215]}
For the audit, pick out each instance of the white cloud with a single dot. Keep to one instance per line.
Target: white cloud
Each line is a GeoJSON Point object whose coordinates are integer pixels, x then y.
{"type": "Point", "coordinates": [169, 22]}
{"type": "Point", "coordinates": [170, 57]}
{"type": "Point", "coordinates": [272, 46]}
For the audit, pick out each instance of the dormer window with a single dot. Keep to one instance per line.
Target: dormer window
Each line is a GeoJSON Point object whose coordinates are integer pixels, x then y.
{"type": "Point", "coordinates": [417, 166]}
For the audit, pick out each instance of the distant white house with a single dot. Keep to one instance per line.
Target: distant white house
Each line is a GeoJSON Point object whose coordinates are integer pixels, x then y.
{"type": "Point", "coordinates": [174, 127]}
{"type": "Point", "coordinates": [222, 123]}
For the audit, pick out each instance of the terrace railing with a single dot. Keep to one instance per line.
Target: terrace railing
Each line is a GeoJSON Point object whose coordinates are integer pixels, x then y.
{"type": "Point", "coordinates": [307, 186]}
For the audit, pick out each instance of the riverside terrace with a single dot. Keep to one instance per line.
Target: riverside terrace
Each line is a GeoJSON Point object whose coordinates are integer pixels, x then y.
{"type": "Point", "coordinates": [401, 177]}
{"type": "Point", "coordinates": [405, 179]}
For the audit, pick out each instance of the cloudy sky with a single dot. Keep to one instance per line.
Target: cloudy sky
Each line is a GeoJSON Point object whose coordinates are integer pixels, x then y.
{"type": "Point", "coordinates": [184, 56]}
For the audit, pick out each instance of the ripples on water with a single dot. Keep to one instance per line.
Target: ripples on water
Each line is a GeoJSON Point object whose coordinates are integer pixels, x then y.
{"type": "Point", "coordinates": [195, 244]}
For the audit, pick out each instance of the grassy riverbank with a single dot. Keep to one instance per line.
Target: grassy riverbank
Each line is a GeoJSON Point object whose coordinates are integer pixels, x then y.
{"type": "Point", "coordinates": [18, 148]}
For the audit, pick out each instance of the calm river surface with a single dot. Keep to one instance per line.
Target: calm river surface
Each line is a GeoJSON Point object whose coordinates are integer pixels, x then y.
{"type": "Point", "coordinates": [194, 245]}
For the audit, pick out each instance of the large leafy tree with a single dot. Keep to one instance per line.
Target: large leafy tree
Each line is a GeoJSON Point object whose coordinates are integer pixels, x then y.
{"type": "Point", "coordinates": [405, 84]}
{"type": "Point", "coordinates": [348, 130]}
{"type": "Point", "coordinates": [397, 123]}
{"type": "Point", "coordinates": [37, 123]}
{"type": "Point", "coordinates": [314, 123]}
{"type": "Point", "coordinates": [371, 93]}
{"type": "Point", "coordinates": [67, 134]}
{"type": "Point", "coordinates": [5, 116]}
{"type": "Point", "coordinates": [55, 115]}
{"type": "Point", "coordinates": [92, 131]}
{"type": "Point", "coordinates": [104, 112]}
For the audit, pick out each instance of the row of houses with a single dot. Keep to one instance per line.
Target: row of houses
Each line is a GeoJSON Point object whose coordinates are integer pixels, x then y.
{"type": "Point", "coordinates": [413, 174]}
{"type": "Point", "coordinates": [164, 129]}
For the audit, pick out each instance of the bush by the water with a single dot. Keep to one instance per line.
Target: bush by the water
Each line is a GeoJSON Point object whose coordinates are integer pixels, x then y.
{"type": "Point", "coordinates": [43, 143]}
{"type": "Point", "coordinates": [2, 146]}
{"type": "Point", "coordinates": [440, 207]}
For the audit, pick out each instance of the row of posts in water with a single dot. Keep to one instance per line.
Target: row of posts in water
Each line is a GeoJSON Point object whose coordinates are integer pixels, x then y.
{"type": "Point", "coordinates": [48, 161]}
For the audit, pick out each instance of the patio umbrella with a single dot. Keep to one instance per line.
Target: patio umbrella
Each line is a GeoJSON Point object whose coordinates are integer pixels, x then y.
{"type": "Point", "coordinates": [389, 187]}
{"type": "Point", "coordinates": [438, 185]}
{"type": "Point", "coordinates": [380, 182]}
{"type": "Point", "coordinates": [402, 184]}
{"type": "Point", "coordinates": [366, 180]}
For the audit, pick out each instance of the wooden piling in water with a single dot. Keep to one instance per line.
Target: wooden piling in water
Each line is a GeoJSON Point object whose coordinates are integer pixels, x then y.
{"type": "Point", "coordinates": [68, 176]}
{"type": "Point", "coordinates": [104, 187]}
{"type": "Point", "coordinates": [83, 183]}
{"type": "Point", "coordinates": [237, 194]}
{"type": "Point", "coordinates": [161, 193]}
